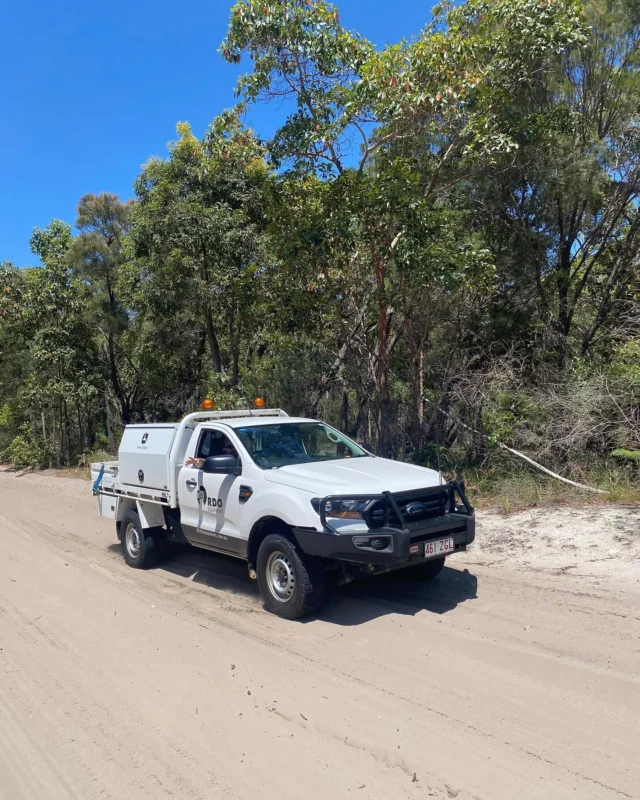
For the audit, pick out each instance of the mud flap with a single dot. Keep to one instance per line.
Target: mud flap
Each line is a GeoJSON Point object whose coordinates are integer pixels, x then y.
{"type": "Point", "coordinates": [151, 514]}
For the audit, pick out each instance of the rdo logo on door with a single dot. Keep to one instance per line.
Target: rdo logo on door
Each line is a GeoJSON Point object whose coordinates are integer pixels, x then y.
{"type": "Point", "coordinates": [212, 503]}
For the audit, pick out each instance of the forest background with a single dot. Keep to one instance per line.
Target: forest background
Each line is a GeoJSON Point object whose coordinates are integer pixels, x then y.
{"type": "Point", "coordinates": [436, 252]}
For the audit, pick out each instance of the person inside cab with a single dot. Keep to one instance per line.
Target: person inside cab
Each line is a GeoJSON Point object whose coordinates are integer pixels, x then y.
{"type": "Point", "coordinates": [212, 443]}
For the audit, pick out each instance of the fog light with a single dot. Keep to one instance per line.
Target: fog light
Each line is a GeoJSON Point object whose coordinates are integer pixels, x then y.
{"type": "Point", "coordinates": [372, 542]}
{"type": "Point", "coordinates": [380, 543]}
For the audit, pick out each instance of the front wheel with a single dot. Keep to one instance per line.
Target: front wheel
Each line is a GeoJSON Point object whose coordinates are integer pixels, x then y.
{"type": "Point", "coordinates": [291, 584]}
{"type": "Point", "coordinates": [426, 570]}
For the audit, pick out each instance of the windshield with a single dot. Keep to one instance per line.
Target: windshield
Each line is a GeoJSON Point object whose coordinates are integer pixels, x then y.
{"type": "Point", "coordinates": [282, 445]}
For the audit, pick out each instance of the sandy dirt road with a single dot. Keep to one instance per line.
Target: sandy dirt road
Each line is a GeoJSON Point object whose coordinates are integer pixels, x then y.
{"type": "Point", "coordinates": [511, 676]}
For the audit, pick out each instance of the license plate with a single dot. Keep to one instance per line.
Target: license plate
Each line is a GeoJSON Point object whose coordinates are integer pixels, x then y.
{"type": "Point", "coordinates": [438, 547]}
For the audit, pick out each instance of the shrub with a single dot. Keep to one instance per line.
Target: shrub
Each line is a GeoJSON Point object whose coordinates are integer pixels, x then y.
{"type": "Point", "coordinates": [28, 450]}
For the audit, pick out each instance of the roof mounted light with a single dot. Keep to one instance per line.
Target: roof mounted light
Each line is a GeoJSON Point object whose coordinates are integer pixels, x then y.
{"type": "Point", "coordinates": [259, 403]}
{"type": "Point", "coordinates": [208, 404]}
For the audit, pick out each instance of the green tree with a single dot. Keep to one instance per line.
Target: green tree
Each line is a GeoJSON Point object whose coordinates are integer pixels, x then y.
{"type": "Point", "coordinates": [97, 256]}
{"type": "Point", "coordinates": [45, 308]}
{"type": "Point", "coordinates": [15, 363]}
{"type": "Point", "coordinates": [455, 85]}
{"type": "Point", "coordinates": [563, 214]}
{"type": "Point", "coordinates": [196, 234]}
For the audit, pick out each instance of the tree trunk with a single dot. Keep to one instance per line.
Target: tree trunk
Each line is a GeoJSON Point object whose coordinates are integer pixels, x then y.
{"type": "Point", "coordinates": [125, 410]}
{"type": "Point", "coordinates": [331, 374]}
{"type": "Point", "coordinates": [385, 443]}
{"type": "Point", "coordinates": [234, 346]}
{"type": "Point", "coordinates": [563, 328]}
{"type": "Point", "coordinates": [563, 282]}
{"type": "Point", "coordinates": [110, 433]}
{"type": "Point", "coordinates": [414, 423]}
{"type": "Point", "coordinates": [418, 402]}
{"type": "Point", "coordinates": [344, 411]}
{"type": "Point", "coordinates": [415, 344]}
{"type": "Point", "coordinates": [421, 381]}
{"type": "Point", "coordinates": [61, 436]}
{"type": "Point", "coordinates": [125, 405]}
{"type": "Point", "coordinates": [66, 436]}
{"type": "Point", "coordinates": [361, 399]}
{"type": "Point", "coordinates": [80, 428]}
{"type": "Point", "coordinates": [214, 346]}
{"type": "Point", "coordinates": [88, 418]}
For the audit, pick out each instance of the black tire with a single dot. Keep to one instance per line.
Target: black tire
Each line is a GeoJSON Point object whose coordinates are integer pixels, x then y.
{"type": "Point", "coordinates": [301, 587]}
{"type": "Point", "coordinates": [426, 570]}
{"type": "Point", "coordinates": [142, 547]}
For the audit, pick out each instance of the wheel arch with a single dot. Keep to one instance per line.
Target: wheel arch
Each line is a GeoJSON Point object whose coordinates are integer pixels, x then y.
{"type": "Point", "coordinates": [125, 504]}
{"type": "Point", "coordinates": [260, 530]}
{"type": "Point", "coordinates": [151, 515]}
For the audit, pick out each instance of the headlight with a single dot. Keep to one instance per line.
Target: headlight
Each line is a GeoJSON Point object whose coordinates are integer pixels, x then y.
{"type": "Point", "coordinates": [341, 509]}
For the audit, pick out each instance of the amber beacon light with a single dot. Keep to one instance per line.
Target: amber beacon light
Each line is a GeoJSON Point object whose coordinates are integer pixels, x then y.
{"type": "Point", "coordinates": [208, 404]}
{"type": "Point", "coordinates": [259, 402]}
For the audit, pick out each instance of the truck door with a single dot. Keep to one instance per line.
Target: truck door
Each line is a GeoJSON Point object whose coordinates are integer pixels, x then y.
{"type": "Point", "coordinates": [210, 504]}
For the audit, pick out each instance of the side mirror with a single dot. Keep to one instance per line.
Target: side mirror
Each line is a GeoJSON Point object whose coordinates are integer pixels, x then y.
{"type": "Point", "coordinates": [222, 465]}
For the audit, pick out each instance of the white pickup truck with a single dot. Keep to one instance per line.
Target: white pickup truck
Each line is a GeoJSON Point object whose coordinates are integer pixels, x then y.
{"type": "Point", "coordinates": [302, 503]}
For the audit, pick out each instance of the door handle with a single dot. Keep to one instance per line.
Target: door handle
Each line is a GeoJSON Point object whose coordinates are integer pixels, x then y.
{"type": "Point", "coordinates": [192, 484]}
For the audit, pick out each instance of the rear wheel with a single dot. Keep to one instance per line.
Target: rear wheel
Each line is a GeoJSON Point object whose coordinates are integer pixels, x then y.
{"type": "Point", "coordinates": [291, 584]}
{"type": "Point", "coordinates": [142, 547]}
{"type": "Point", "coordinates": [425, 571]}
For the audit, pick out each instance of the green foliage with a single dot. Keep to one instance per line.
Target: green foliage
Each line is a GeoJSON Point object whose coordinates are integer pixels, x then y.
{"type": "Point", "coordinates": [453, 89]}
{"type": "Point", "coordinates": [451, 217]}
{"type": "Point", "coordinates": [196, 234]}
{"type": "Point", "coordinates": [27, 449]}
{"type": "Point", "coordinates": [6, 416]}
{"type": "Point", "coordinates": [625, 364]}
{"type": "Point", "coordinates": [627, 455]}
{"type": "Point", "coordinates": [454, 79]}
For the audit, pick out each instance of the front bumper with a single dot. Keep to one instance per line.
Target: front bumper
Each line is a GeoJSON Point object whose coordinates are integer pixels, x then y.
{"type": "Point", "coordinates": [407, 540]}
{"type": "Point", "coordinates": [460, 527]}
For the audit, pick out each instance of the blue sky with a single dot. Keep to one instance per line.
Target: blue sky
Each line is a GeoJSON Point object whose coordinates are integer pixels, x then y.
{"type": "Point", "coordinates": [89, 91]}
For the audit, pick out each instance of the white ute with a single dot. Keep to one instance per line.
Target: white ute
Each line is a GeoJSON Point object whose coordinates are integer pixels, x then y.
{"type": "Point", "coordinates": [299, 501]}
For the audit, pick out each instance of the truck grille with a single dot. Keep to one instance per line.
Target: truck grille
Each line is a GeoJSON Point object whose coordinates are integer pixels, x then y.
{"type": "Point", "coordinates": [416, 506]}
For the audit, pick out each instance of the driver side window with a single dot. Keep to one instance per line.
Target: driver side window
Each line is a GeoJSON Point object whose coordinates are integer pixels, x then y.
{"type": "Point", "coordinates": [214, 443]}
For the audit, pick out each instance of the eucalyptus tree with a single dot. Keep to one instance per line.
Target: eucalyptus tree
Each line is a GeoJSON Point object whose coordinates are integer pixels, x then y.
{"type": "Point", "coordinates": [451, 89]}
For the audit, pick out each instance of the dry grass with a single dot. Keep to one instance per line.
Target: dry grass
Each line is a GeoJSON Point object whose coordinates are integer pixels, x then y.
{"type": "Point", "coordinates": [519, 489]}
{"type": "Point", "coordinates": [82, 473]}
